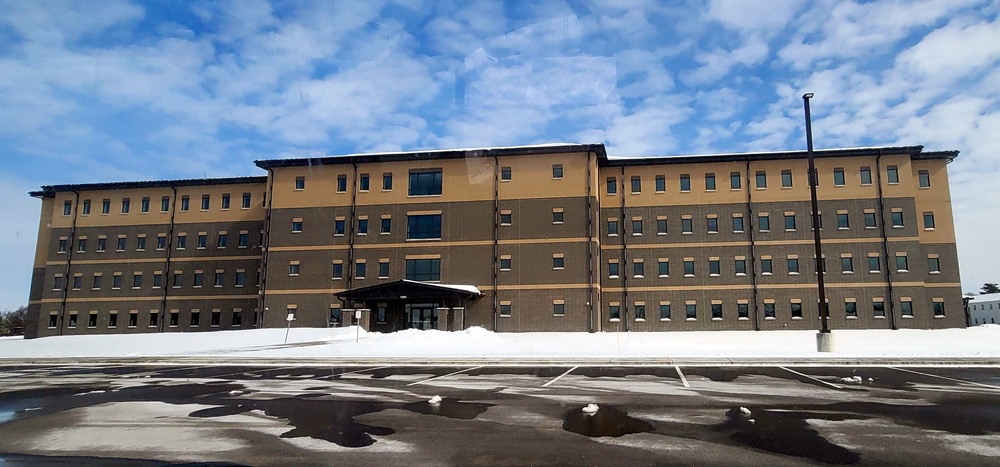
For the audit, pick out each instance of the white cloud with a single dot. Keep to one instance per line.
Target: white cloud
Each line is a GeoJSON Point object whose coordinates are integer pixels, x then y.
{"type": "Point", "coordinates": [719, 62]}
{"type": "Point", "coordinates": [954, 51]}
{"type": "Point", "coordinates": [753, 17]}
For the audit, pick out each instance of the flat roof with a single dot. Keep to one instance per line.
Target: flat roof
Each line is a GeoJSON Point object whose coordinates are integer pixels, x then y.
{"type": "Point", "coordinates": [50, 190]}
{"type": "Point", "coordinates": [915, 152]}
{"type": "Point", "coordinates": [433, 154]}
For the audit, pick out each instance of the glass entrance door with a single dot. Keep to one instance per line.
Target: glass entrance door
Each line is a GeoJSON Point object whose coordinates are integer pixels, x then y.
{"type": "Point", "coordinates": [422, 315]}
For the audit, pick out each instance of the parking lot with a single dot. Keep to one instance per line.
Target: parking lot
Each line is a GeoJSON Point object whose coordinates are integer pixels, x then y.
{"type": "Point", "coordinates": [499, 415]}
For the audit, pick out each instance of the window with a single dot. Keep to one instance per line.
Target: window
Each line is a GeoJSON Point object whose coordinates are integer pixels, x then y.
{"type": "Point", "coordinates": [237, 317]}
{"type": "Point", "coordinates": [335, 315]}
{"type": "Point", "coordinates": [174, 317]}
{"type": "Point", "coordinates": [685, 182]}
{"type": "Point", "coordinates": [77, 282]}
{"type": "Point", "coordinates": [901, 263]}
{"type": "Point", "coordinates": [842, 220]}
{"type": "Point", "coordinates": [892, 173]}
{"type": "Point", "coordinates": [866, 175]}
{"type": "Point", "coordinates": [223, 240]}
{"type": "Point", "coordinates": [822, 264]}
{"type": "Point", "coordinates": [874, 264]}
{"type": "Point", "coordinates": [381, 313]}
{"type": "Point", "coordinates": [765, 266]}
{"type": "Point", "coordinates": [225, 201]}
{"type": "Point", "coordinates": [202, 240]}
{"type": "Point", "coordinates": [664, 310]}
{"type": "Point", "coordinates": [716, 311]}
{"type": "Point", "coordinates": [102, 244]}
{"type": "Point", "coordinates": [360, 269]}
{"type": "Point", "coordinates": [425, 183]}
{"type": "Point", "coordinates": [178, 279]}
{"type": "Point", "coordinates": [612, 227]}
{"type": "Point", "coordinates": [338, 227]}
{"type": "Point", "coordinates": [383, 269]}
{"type": "Point", "coordinates": [661, 226]}
{"type": "Point", "coordinates": [362, 226]}
{"type": "Point", "coordinates": [741, 267]}
{"type": "Point", "coordinates": [364, 183]}
{"type": "Point", "coordinates": [851, 309]}
{"type": "Point", "coordinates": [869, 220]}
{"type": "Point", "coordinates": [793, 265]}
{"type": "Point", "coordinates": [764, 223]}
{"type": "Point", "coordinates": [925, 178]}
{"type": "Point", "coordinates": [86, 207]}
{"type": "Point", "coordinates": [734, 181]}
{"type": "Point", "coordinates": [67, 208]}
{"type": "Point", "coordinates": [713, 225]}
{"type": "Point", "coordinates": [185, 203]}
{"type": "Point", "coordinates": [386, 225]}
{"type": "Point", "coordinates": [713, 267]}
{"type": "Point", "coordinates": [789, 222]}
{"type": "Point", "coordinates": [559, 309]}
{"type": "Point", "coordinates": [786, 178]}
{"type": "Point", "coordinates": [636, 226]}
{"type": "Point", "coordinates": [216, 318]}
{"type": "Point", "coordinates": [293, 268]}
{"type": "Point", "coordinates": [761, 179]}
{"type": "Point", "coordinates": [687, 226]}
{"type": "Point", "coordinates": [743, 310]}
{"type": "Point", "coordinates": [612, 185]}
{"type": "Point", "coordinates": [897, 219]}
{"type": "Point", "coordinates": [688, 268]}
{"type": "Point", "coordinates": [220, 278]}
{"type": "Point", "coordinates": [505, 217]}
{"type": "Point", "coordinates": [638, 269]}
{"type": "Point", "coordinates": [661, 183]}
{"type": "Point", "coordinates": [126, 204]}
{"type": "Point", "coordinates": [796, 308]}
{"type": "Point", "coordinates": [105, 206]}
{"type": "Point", "coordinates": [62, 245]}
{"type": "Point", "coordinates": [92, 320]}
{"type": "Point", "coordinates": [161, 242]}
{"type": "Point", "coordinates": [557, 171]}
{"type": "Point", "coordinates": [423, 269]}
{"type": "Point", "coordinates": [505, 174]}
{"type": "Point", "coordinates": [934, 265]}
{"type": "Point", "coordinates": [928, 221]}
{"type": "Point", "coordinates": [81, 245]}
{"type": "Point", "coordinates": [424, 226]}
{"type": "Point", "coordinates": [938, 307]}
{"type": "Point", "coordinates": [558, 262]}
{"type": "Point", "coordinates": [341, 183]}
{"type": "Point", "coordinates": [663, 268]}
{"type": "Point", "coordinates": [121, 244]}
{"type": "Point", "coordinates": [769, 310]}
{"type": "Point", "coordinates": [300, 183]}
{"type": "Point", "coordinates": [206, 202]}
{"type": "Point", "coordinates": [691, 310]}
{"type": "Point", "coordinates": [338, 271]}
{"type": "Point", "coordinates": [710, 182]}
{"type": "Point", "coordinates": [846, 264]}
{"type": "Point", "coordinates": [241, 278]}
{"type": "Point", "coordinates": [814, 179]}
{"type": "Point", "coordinates": [97, 282]}
{"type": "Point", "coordinates": [838, 177]}
{"type": "Point", "coordinates": [199, 278]}
{"type": "Point", "coordinates": [181, 241]}
{"type": "Point", "coordinates": [243, 239]}
{"type": "Point", "coordinates": [144, 204]}
{"type": "Point", "coordinates": [557, 216]}
{"type": "Point", "coordinates": [612, 269]}
{"type": "Point", "coordinates": [195, 317]}
{"type": "Point", "coordinates": [387, 181]}
{"type": "Point", "coordinates": [878, 308]}
{"type": "Point", "coordinates": [136, 280]}
{"type": "Point", "coordinates": [636, 184]}
{"type": "Point", "coordinates": [505, 263]}
{"type": "Point", "coordinates": [906, 307]}
{"type": "Point", "coordinates": [505, 309]}
{"type": "Point", "coordinates": [737, 223]}
{"type": "Point", "coordinates": [246, 201]}
{"type": "Point", "coordinates": [140, 243]}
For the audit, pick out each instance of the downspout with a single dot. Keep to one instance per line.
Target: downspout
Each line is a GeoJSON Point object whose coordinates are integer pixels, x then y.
{"type": "Point", "coordinates": [166, 271]}
{"type": "Point", "coordinates": [69, 262]}
{"type": "Point", "coordinates": [753, 251]}
{"type": "Point", "coordinates": [590, 247]}
{"type": "Point", "coordinates": [266, 247]}
{"type": "Point", "coordinates": [885, 242]}
{"type": "Point", "coordinates": [496, 240]}
{"type": "Point", "coordinates": [350, 231]}
{"type": "Point", "coordinates": [623, 269]}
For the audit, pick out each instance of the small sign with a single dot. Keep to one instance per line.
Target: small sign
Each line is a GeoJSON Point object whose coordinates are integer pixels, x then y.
{"type": "Point", "coordinates": [290, 318]}
{"type": "Point", "coordinates": [357, 314]}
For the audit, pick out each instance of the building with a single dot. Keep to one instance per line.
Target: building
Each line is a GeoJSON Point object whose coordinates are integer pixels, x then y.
{"type": "Point", "coordinates": [531, 238]}
{"type": "Point", "coordinates": [984, 309]}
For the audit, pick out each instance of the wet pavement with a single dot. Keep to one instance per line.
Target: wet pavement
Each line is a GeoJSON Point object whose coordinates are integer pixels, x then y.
{"type": "Point", "coordinates": [493, 415]}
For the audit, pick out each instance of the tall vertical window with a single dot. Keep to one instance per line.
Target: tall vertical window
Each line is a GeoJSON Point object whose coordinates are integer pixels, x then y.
{"type": "Point", "coordinates": [86, 207]}
{"type": "Point", "coordinates": [614, 311]}
{"type": "Point", "coordinates": [386, 226]}
{"type": "Point", "coordinates": [165, 204]}
{"type": "Point", "coordinates": [892, 174]}
{"type": "Point", "coordinates": [425, 182]}
{"type": "Point", "coordinates": [341, 183]}
{"type": "Point", "coordinates": [423, 269]}
{"type": "Point", "coordinates": [688, 268]}
{"type": "Point", "coordinates": [67, 208]}
{"type": "Point", "coordinates": [506, 174]}
{"type": "Point", "coordinates": [206, 202]}
{"type": "Point", "coordinates": [612, 227]}
{"type": "Point", "coordinates": [663, 268]}
{"type": "Point", "coordinates": [738, 223]}
{"type": "Point", "coordinates": [710, 182]}
{"type": "Point", "coordinates": [362, 226]}
{"type": "Point", "coordinates": [901, 263]}
{"type": "Point", "coordinates": [105, 206]}
{"type": "Point", "coordinates": [786, 178]}
{"type": "Point", "coordinates": [789, 221]}
{"type": "Point", "coordinates": [338, 227]}
{"type": "Point", "coordinates": [225, 200]}
{"type": "Point", "coordinates": [874, 264]}
{"type": "Point", "coordinates": [866, 175]}
{"type": "Point", "coordinates": [636, 226]}
{"type": "Point", "coordinates": [337, 271]}
{"type": "Point", "coordinates": [769, 310]}
{"type": "Point", "coordinates": [743, 310]}
{"type": "Point", "coordinates": [144, 204]}
{"type": "Point", "coordinates": [765, 266]}
{"type": "Point", "coordinates": [713, 267]}
{"type": "Point", "coordinates": [741, 266]}
{"type": "Point", "coordinates": [387, 181]}
{"type": "Point", "coordinates": [843, 222]}
{"type": "Point", "coordinates": [897, 219]}
{"type": "Point", "coordinates": [638, 269]}
{"type": "Point", "coordinates": [851, 309]}
{"type": "Point", "coordinates": [838, 177]}
{"type": "Point", "coordinates": [878, 308]}
{"type": "Point", "coordinates": [716, 311]}
{"type": "Point", "coordinates": [664, 310]}
{"type": "Point", "coordinates": [938, 307]}
{"type": "Point", "coordinates": [364, 183]}
{"type": "Point", "coordinates": [246, 201]}
{"type": "Point", "coordinates": [383, 269]}
{"type": "Point", "coordinates": [661, 226]}
{"type": "Point", "coordinates": [612, 185]}
{"type": "Point", "coordinates": [185, 203]}
{"type": "Point", "coordinates": [735, 182]}
{"type": "Point", "coordinates": [713, 224]}
{"type": "Point", "coordinates": [928, 220]}
{"type": "Point", "coordinates": [906, 307]}
{"type": "Point", "coordinates": [640, 311]}
{"type": "Point", "coordinates": [846, 264]}
{"type": "Point", "coordinates": [613, 269]}
{"type": "Point", "coordinates": [691, 311]}
{"type": "Point", "coordinates": [761, 179]}
{"type": "Point", "coordinates": [243, 240]}
{"type": "Point", "coordinates": [126, 205]}
{"type": "Point", "coordinates": [687, 225]}
{"type": "Point", "coordinates": [685, 182]}
{"type": "Point", "coordinates": [557, 171]}
{"type": "Point", "coordinates": [636, 184]}
{"type": "Point", "coordinates": [296, 225]}
{"type": "Point", "coordinates": [360, 269]}
{"type": "Point", "coordinates": [796, 308]}
{"type": "Point", "coordinates": [793, 265]}
{"type": "Point", "coordinates": [925, 178]}
{"type": "Point", "coordinates": [869, 220]}
{"type": "Point", "coordinates": [764, 222]}
{"type": "Point", "coordinates": [661, 183]}
{"type": "Point", "coordinates": [934, 265]}
{"type": "Point", "coordinates": [425, 226]}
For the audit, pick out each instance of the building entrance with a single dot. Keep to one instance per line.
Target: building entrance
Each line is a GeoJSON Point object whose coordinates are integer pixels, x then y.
{"type": "Point", "coordinates": [421, 315]}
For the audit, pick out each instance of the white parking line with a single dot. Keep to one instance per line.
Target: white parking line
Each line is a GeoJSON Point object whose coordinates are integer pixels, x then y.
{"type": "Point", "coordinates": [560, 376]}
{"type": "Point", "coordinates": [447, 375]}
{"type": "Point", "coordinates": [683, 379]}
{"type": "Point", "coordinates": [812, 378]}
{"type": "Point", "coordinates": [946, 378]}
{"type": "Point", "coordinates": [357, 371]}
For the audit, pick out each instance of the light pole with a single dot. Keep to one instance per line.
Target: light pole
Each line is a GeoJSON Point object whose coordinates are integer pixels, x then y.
{"type": "Point", "coordinates": [824, 339]}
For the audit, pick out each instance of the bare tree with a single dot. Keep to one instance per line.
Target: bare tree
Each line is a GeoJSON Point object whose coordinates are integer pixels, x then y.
{"type": "Point", "coordinates": [990, 288]}
{"type": "Point", "coordinates": [13, 321]}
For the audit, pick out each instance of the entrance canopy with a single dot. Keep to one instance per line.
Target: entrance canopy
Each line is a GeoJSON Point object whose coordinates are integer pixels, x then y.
{"type": "Point", "coordinates": [410, 291]}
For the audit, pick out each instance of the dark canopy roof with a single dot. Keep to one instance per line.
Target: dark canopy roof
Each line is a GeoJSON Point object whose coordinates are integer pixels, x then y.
{"type": "Point", "coordinates": [410, 290]}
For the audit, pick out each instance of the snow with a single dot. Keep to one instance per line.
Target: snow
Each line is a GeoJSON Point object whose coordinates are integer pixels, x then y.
{"type": "Point", "coordinates": [435, 400]}
{"type": "Point", "coordinates": [479, 343]}
{"type": "Point", "coordinates": [590, 409]}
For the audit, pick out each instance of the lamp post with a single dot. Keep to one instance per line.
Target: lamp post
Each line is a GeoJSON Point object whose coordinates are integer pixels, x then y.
{"type": "Point", "coordinates": [824, 339]}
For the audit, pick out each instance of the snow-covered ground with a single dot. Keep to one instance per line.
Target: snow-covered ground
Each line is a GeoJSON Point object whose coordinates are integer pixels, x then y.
{"type": "Point", "coordinates": [979, 342]}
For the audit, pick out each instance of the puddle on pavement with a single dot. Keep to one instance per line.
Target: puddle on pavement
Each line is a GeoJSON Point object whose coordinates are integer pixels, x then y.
{"type": "Point", "coordinates": [607, 421]}
{"type": "Point", "coordinates": [787, 433]}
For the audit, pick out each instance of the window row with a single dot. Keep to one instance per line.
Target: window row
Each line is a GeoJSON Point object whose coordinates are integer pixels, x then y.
{"type": "Point", "coordinates": [428, 270]}
{"type": "Point", "coordinates": [790, 222]}
{"type": "Point", "coordinates": [761, 180]}
{"type": "Point", "coordinates": [765, 265]}
{"type": "Point", "coordinates": [768, 308]}
{"type": "Point", "coordinates": [422, 182]}
{"type": "Point", "coordinates": [152, 319]}
{"type": "Point", "coordinates": [121, 242]}
{"type": "Point", "coordinates": [178, 279]}
{"type": "Point", "coordinates": [145, 201]}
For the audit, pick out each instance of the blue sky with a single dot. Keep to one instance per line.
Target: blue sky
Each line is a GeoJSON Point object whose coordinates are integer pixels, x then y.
{"type": "Point", "coordinates": [117, 90]}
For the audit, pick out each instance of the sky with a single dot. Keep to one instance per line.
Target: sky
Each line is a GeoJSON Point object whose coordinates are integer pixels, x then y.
{"type": "Point", "coordinates": [117, 90]}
